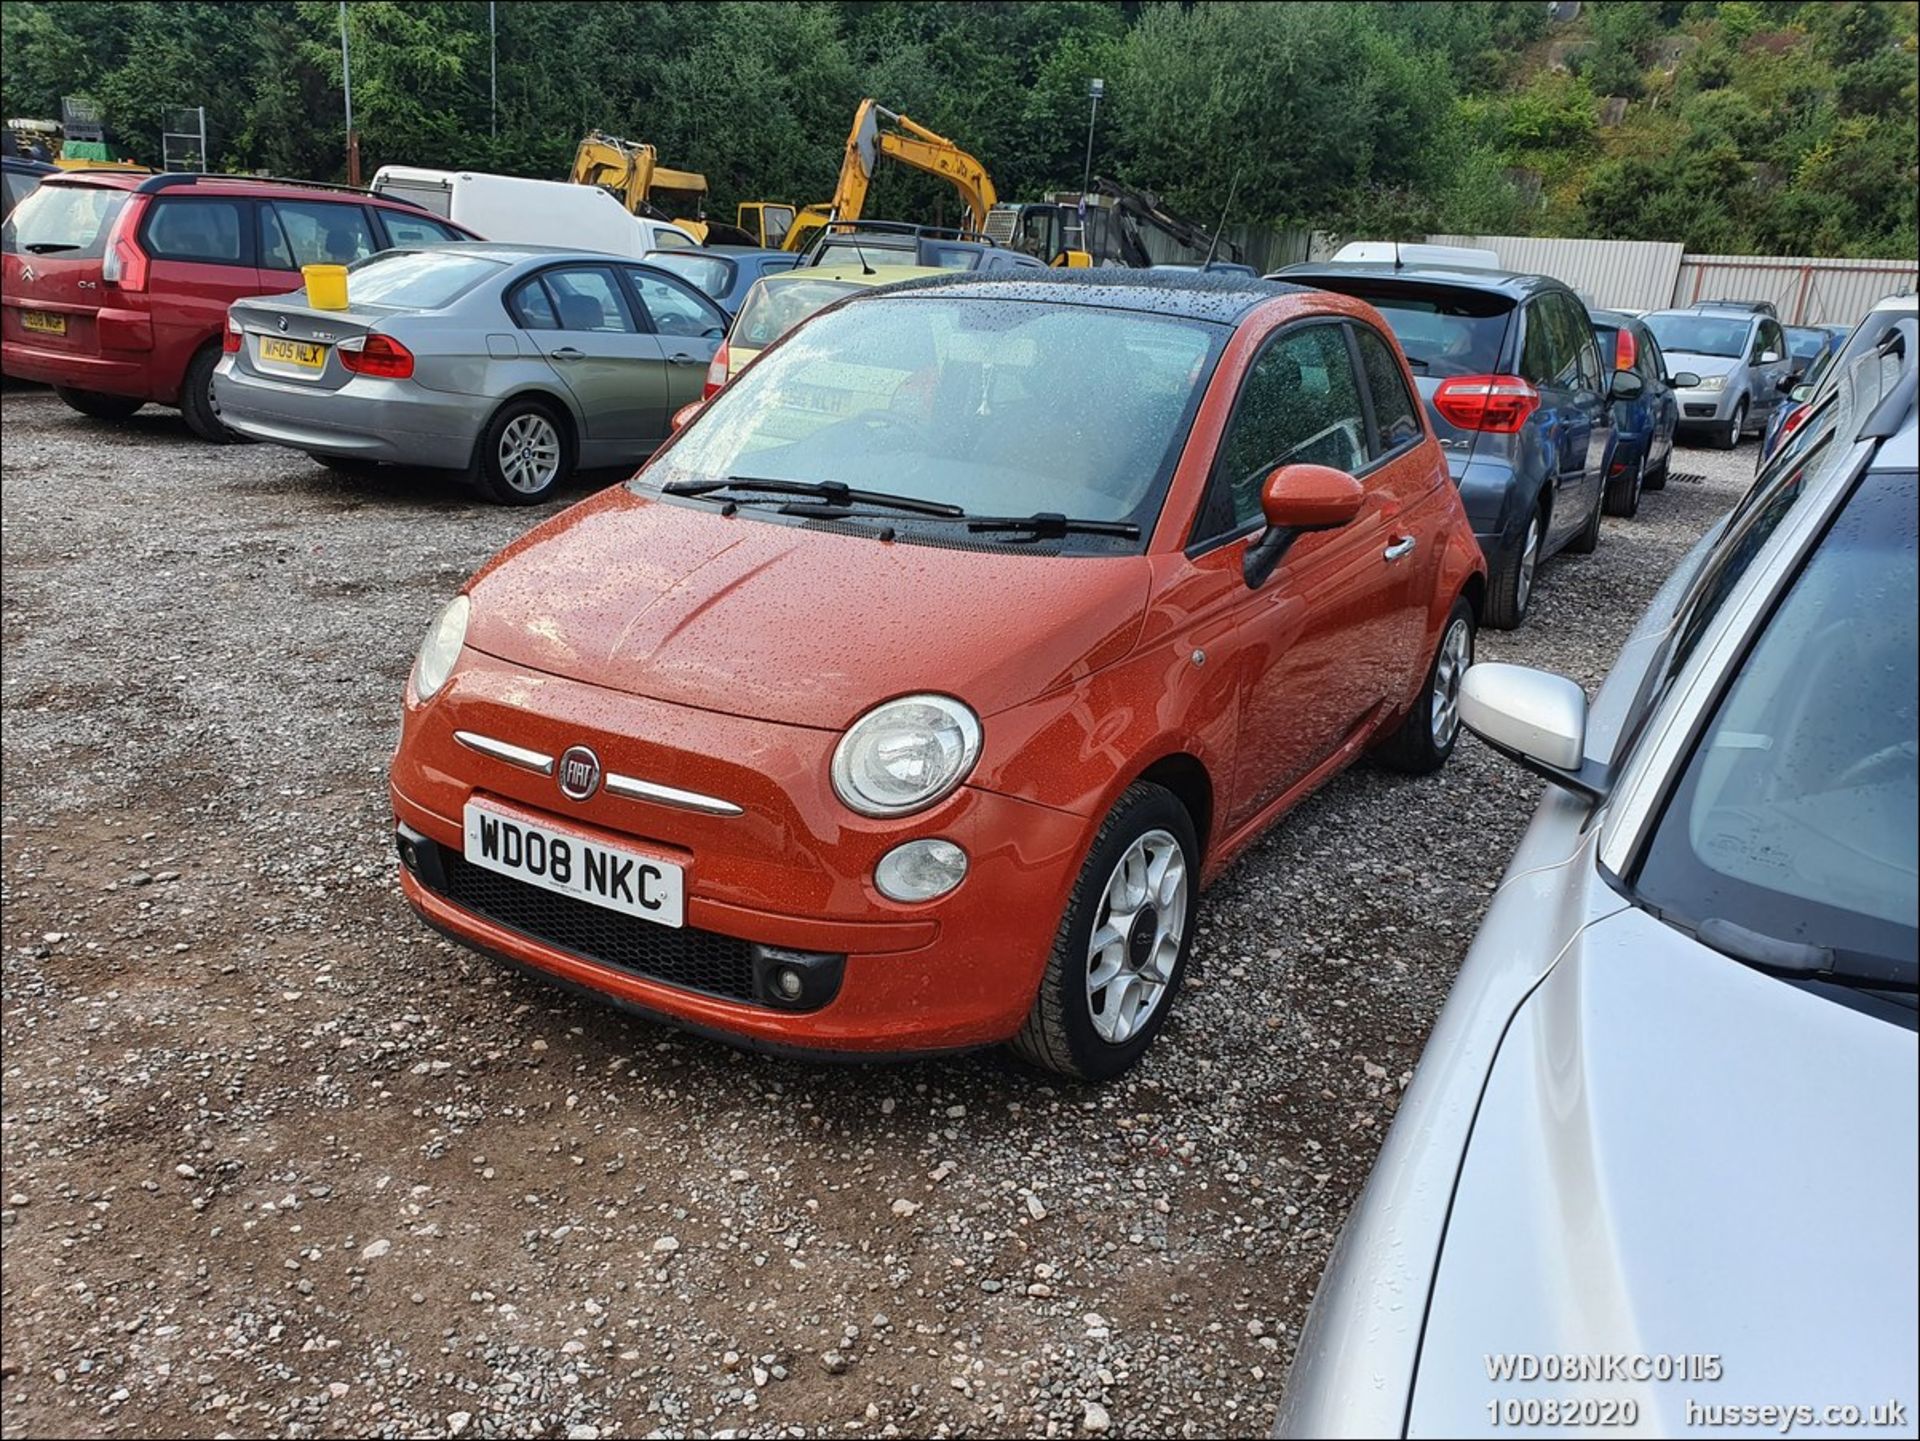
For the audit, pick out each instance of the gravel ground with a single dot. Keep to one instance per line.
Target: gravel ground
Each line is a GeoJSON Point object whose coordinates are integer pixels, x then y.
{"type": "Point", "coordinates": [277, 1160]}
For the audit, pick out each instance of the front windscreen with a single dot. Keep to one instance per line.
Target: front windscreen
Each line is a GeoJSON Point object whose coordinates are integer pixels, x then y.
{"type": "Point", "coordinates": [1700, 334]}
{"type": "Point", "coordinates": [1001, 407]}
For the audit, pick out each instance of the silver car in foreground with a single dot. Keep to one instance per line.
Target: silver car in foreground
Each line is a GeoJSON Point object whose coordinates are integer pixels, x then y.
{"type": "Point", "coordinates": [512, 363]}
{"type": "Point", "coordinates": [1656, 1171]}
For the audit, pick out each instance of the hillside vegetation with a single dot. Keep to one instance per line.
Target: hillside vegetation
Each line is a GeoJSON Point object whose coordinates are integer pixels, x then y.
{"type": "Point", "coordinates": [1742, 125]}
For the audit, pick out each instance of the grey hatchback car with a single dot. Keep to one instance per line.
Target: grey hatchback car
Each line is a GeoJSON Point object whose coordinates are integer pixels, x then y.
{"type": "Point", "coordinates": [511, 363]}
{"type": "Point", "coordinates": [1741, 358]}
{"type": "Point", "coordinates": [1656, 1171]}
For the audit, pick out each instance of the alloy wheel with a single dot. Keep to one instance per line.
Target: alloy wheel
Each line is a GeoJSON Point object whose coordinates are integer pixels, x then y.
{"type": "Point", "coordinates": [1529, 559]}
{"type": "Point", "coordinates": [1136, 936]}
{"type": "Point", "coordinates": [529, 453]}
{"type": "Point", "coordinates": [1456, 654]}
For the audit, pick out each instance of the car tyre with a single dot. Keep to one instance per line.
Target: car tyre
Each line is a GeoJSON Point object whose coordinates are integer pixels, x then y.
{"type": "Point", "coordinates": [1587, 538]}
{"type": "Point", "coordinates": [197, 405]}
{"type": "Point", "coordinates": [1141, 881]}
{"type": "Point", "coordinates": [1730, 437]}
{"type": "Point", "coordinates": [1510, 587]}
{"type": "Point", "coordinates": [1425, 739]}
{"type": "Point", "coordinates": [1656, 478]}
{"type": "Point", "coordinates": [1623, 491]}
{"type": "Point", "coordinates": [526, 453]}
{"type": "Point", "coordinates": [98, 404]}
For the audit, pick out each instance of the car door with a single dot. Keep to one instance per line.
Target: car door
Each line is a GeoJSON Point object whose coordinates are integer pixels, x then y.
{"type": "Point", "coordinates": [1593, 395]}
{"type": "Point", "coordinates": [1650, 363]}
{"type": "Point", "coordinates": [201, 256]}
{"type": "Point", "coordinates": [1308, 643]}
{"type": "Point", "coordinates": [1550, 362]}
{"type": "Point", "coordinates": [583, 323]}
{"type": "Point", "coordinates": [1772, 363]}
{"type": "Point", "coordinates": [687, 329]}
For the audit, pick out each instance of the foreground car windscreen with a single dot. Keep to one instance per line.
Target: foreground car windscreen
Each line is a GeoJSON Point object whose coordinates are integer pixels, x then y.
{"type": "Point", "coordinates": [1699, 334]}
{"type": "Point", "coordinates": [1796, 816]}
{"type": "Point", "coordinates": [70, 221]}
{"type": "Point", "coordinates": [418, 279]}
{"type": "Point", "coordinates": [1000, 407]}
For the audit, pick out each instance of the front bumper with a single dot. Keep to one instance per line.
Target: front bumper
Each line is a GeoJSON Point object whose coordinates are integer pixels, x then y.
{"type": "Point", "coordinates": [792, 872]}
{"type": "Point", "coordinates": [1707, 407]}
{"type": "Point", "coordinates": [367, 418]}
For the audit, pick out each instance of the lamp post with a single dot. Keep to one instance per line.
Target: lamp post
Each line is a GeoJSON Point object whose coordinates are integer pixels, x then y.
{"type": "Point", "coordinates": [346, 82]}
{"type": "Point", "coordinates": [1095, 89]}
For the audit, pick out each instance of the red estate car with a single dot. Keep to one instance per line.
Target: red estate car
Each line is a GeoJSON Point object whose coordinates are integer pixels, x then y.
{"type": "Point", "coordinates": [116, 284]}
{"type": "Point", "coordinates": [907, 698]}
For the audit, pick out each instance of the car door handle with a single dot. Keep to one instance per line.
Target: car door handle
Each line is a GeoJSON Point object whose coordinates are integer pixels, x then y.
{"type": "Point", "coordinates": [1401, 548]}
{"type": "Point", "coordinates": [567, 352]}
{"type": "Point", "coordinates": [684, 360]}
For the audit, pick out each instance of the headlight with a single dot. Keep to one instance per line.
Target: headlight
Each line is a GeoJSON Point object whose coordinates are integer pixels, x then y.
{"type": "Point", "coordinates": [1712, 382]}
{"type": "Point", "coordinates": [906, 754]}
{"type": "Point", "coordinates": [440, 649]}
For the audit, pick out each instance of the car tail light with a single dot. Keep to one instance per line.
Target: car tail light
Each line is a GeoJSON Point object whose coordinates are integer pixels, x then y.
{"type": "Point", "coordinates": [1796, 418]}
{"type": "Point", "coordinates": [1497, 403]}
{"type": "Point", "coordinates": [379, 355]}
{"type": "Point", "coordinates": [125, 263]}
{"type": "Point", "coordinates": [1625, 351]}
{"type": "Point", "coordinates": [230, 341]}
{"type": "Point", "coordinates": [716, 373]}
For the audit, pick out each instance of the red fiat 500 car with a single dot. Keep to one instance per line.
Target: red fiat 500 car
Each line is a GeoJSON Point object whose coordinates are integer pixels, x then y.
{"type": "Point", "coordinates": [908, 697]}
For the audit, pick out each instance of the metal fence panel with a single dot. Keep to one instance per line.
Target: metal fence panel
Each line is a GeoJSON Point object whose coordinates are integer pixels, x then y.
{"type": "Point", "coordinates": [1806, 290]}
{"type": "Point", "coordinates": [1635, 274]}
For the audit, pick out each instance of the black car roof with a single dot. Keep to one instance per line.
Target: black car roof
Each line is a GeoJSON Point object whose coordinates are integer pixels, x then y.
{"type": "Point", "coordinates": [1191, 295]}
{"type": "Point", "coordinates": [1512, 283]}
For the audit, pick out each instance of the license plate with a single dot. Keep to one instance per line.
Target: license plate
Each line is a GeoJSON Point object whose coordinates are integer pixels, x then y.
{"type": "Point", "coordinates": [562, 861]}
{"type": "Point", "coordinates": [303, 353]}
{"type": "Point", "coordinates": [44, 323]}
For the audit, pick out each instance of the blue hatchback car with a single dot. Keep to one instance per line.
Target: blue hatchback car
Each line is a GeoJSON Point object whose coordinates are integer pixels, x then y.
{"type": "Point", "coordinates": [1644, 423]}
{"type": "Point", "coordinates": [724, 273]}
{"type": "Point", "coordinates": [1518, 394]}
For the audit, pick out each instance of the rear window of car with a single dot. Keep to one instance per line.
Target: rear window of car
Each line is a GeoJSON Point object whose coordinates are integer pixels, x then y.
{"type": "Point", "coordinates": [406, 228]}
{"type": "Point", "coordinates": [708, 273]}
{"type": "Point", "coordinates": [417, 279]}
{"type": "Point", "coordinates": [70, 221]}
{"type": "Point", "coordinates": [770, 311]}
{"type": "Point", "coordinates": [1442, 330]}
{"type": "Point", "coordinates": [846, 252]}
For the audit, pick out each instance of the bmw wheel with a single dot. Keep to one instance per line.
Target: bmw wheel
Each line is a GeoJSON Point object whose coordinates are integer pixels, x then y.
{"type": "Point", "coordinates": [526, 452]}
{"type": "Point", "coordinates": [1121, 950]}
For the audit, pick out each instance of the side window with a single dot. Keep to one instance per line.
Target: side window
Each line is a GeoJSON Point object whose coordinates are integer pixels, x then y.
{"type": "Point", "coordinates": [1773, 338]}
{"type": "Point", "coordinates": [209, 231]}
{"type": "Point", "coordinates": [587, 297]}
{"type": "Point", "coordinates": [674, 309]}
{"type": "Point", "coordinates": [1394, 411]}
{"type": "Point", "coordinates": [316, 232]}
{"type": "Point", "coordinates": [1588, 374]}
{"type": "Point", "coordinates": [405, 228]}
{"type": "Point", "coordinates": [1300, 404]}
{"type": "Point", "coordinates": [1542, 353]}
{"type": "Point", "coordinates": [1648, 360]}
{"type": "Point", "coordinates": [531, 306]}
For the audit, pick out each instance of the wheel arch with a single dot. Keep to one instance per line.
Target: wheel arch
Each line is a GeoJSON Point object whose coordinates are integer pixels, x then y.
{"type": "Point", "coordinates": [561, 406]}
{"type": "Point", "coordinates": [1188, 778]}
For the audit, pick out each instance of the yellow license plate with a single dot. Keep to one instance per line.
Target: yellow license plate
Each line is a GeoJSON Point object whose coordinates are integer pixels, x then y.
{"type": "Point", "coordinates": [44, 323]}
{"type": "Point", "coordinates": [303, 353]}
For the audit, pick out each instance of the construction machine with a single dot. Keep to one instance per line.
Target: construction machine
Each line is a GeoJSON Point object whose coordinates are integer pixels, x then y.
{"type": "Point", "coordinates": [878, 131]}
{"type": "Point", "coordinates": [1104, 226]}
{"type": "Point", "coordinates": [631, 172]}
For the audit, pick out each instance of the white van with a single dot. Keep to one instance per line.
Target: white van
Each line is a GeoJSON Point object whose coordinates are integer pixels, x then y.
{"type": "Point", "coordinates": [532, 212]}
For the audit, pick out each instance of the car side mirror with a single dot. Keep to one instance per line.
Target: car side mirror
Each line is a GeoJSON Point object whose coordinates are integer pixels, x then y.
{"type": "Point", "coordinates": [1801, 393]}
{"type": "Point", "coordinates": [1788, 382]}
{"type": "Point", "coordinates": [684, 414]}
{"type": "Point", "coordinates": [1297, 499]}
{"type": "Point", "coordinates": [1534, 717]}
{"type": "Point", "coordinates": [1685, 380]}
{"type": "Point", "coordinates": [1769, 357]}
{"type": "Point", "coordinates": [1627, 385]}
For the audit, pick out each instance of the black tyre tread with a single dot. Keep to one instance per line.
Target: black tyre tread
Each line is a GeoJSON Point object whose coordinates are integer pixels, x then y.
{"type": "Point", "coordinates": [1587, 538]}
{"type": "Point", "coordinates": [1729, 439]}
{"type": "Point", "coordinates": [196, 406]}
{"type": "Point", "coordinates": [1657, 479]}
{"type": "Point", "coordinates": [1623, 492]}
{"type": "Point", "coordinates": [1410, 748]}
{"type": "Point", "coordinates": [482, 473]}
{"type": "Point", "coordinates": [98, 403]}
{"type": "Point", "coordinates": [1042, 1040]}
{"type": "Point", "coordinates": [1503, 610]}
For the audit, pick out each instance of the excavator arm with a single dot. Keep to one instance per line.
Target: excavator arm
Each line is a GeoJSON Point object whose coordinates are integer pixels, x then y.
{"type": "Point", "coordinates": [912, 145]}
{"type": "Point", "coordinates": [632, 173]}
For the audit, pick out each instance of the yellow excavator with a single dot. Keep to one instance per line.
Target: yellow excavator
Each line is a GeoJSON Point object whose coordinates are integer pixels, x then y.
{"type": "Point", "coordinates": [631, 172]}
{"type": "Point", "coordinates": [901, 139]}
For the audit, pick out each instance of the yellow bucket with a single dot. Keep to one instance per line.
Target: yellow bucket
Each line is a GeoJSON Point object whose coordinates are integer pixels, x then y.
{"type": "Point", "coordinates": [326, 286]}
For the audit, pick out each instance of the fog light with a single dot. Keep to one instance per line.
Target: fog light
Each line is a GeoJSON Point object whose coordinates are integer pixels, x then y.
{"type": "Point", "coordinates": [787, 979]}
{"type": "Point", "coordinates": [920, 870]}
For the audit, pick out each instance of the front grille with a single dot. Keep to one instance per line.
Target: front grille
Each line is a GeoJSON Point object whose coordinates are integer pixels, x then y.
{"type": "Point", "coordinates": [696, 960]}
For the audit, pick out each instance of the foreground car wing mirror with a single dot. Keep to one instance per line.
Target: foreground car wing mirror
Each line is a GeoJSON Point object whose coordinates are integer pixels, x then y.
{"type": "Point", "coordinates": [1627, 385]}
{"type": "Point", "coordinates": [684, 414]}
{"type": "Point", "coordinates": [1536, 718]}
{"type": "Point", "coordinates": [1297, 499]}
{"type": "Point", "coordinates": [1685, 380]}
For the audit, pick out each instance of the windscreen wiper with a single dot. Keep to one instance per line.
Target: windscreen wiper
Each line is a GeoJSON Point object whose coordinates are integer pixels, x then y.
{"type": "Point", "coordinates": [1051, 525]}
{"type": "Point", "coordinates": [831, 491]}
{"type": "Point", "coordinates": [1800, 961]}
{"type": "Point", "coordinates": [48, 247]}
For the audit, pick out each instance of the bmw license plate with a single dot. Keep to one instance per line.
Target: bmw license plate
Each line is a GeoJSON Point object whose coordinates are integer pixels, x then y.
{"type": "Point", "coordinates": [570, 864]}
{"type": "Point", "coordinates": [303, 353]}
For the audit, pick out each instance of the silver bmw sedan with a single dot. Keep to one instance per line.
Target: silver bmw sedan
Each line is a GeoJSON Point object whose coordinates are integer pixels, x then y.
{"type": "Point", "coordinates": [514, 364]}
